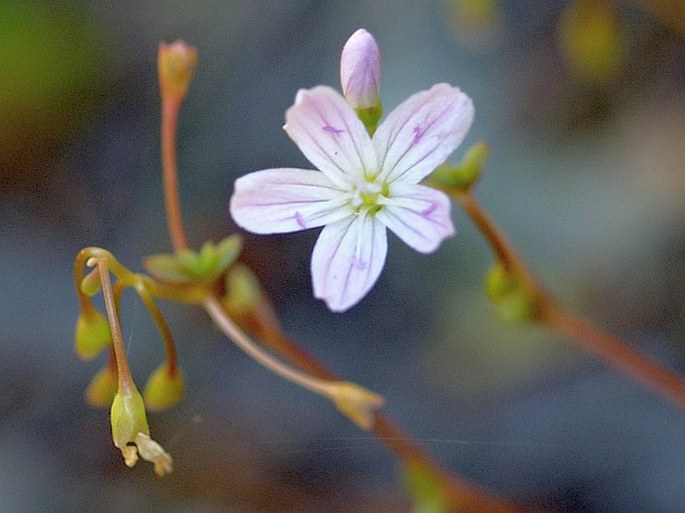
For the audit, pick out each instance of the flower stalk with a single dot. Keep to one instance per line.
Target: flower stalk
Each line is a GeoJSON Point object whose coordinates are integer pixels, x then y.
{"type": "Point", "coordinates": [547, 311]}
{"type": "Point", "coordinates": [176, 65]}
{"type": "Point", "coordinates": [130, 431]}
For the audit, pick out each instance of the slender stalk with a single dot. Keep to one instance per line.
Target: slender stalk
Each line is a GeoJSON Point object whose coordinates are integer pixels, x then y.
{"type": "Point", "coordinates": [170, 110]}
{"type": "Point", "coordinates": [123, 371]}
{"type": "Point", "coordinates": [162, 326]}
{"type": "Point", "coordinates": [225, 323]}
{"type": "Point", "coordinates": [592, 339]}
{"type": "Point", "coordinates": [462, 495]}
{"type": "Point", "coordinates": [617, 354]}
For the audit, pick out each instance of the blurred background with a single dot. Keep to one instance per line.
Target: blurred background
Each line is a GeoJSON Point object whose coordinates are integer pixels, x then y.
{"type": "Point", "coordinates": [583, 105]}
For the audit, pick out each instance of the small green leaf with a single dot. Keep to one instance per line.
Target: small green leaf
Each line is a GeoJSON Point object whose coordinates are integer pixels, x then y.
{"type": "Point", "coordinates": [167, 268]}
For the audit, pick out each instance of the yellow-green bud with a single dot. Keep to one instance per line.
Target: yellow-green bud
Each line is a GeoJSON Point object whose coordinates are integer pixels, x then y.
{"type": "Point", "coordinates": [515, 301]}
{"type": "Point", "coordinates": [176, 64]}
{"type": "Point", "coordinates": [131, 433]}
{"type": "Point", "coordinates": [463, 176]}
{"type": "Point", "coordinates": [243, 292]}
{"type": "Point", "coordinates": [91, 284]}
{"type": "Point", "coordinates": [102, 388]}
{"type": "Point", "coordinates": [92, 334]}
{"type": "Point", "coordinates": [128, 418]}
{"type": "Point", "coordinates": [593, 39]}
{"type": "Point", "coordinates": [164, 390]}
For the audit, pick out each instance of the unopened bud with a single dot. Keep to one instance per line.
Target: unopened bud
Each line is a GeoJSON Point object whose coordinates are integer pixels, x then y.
{"type": "Point", "coordinates": [164, 389]}
{"type": "Point", "coordinates": [131, 434]}
{"type": "Point", "coordinates": [463, 176]}
{"type": "Point", "coordinates": [360, 76]}
{"type": "Point", "coordinates": [92, 334]}
{"type": "Point", "coordinates": [176, 65]}
{"type": "Point", "coordinates": [91, 284]}
{"type": "Point", "coordinates": [509, 292]}
{"type": "Point", "coordinates": [102, 388]}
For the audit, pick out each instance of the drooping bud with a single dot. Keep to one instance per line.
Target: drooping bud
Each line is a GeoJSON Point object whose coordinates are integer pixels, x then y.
{"type": "Point", "coordinates": [176, 65]}
{"type": "Point", "coordinates": [90, 285]}
{"type": "Point", "coordinates": [102, 388]}
{"type": "Point", "coordinates": [131, 434]}
{"type": "Point", "coordinates": [92, 334]}
{"type": "Point", "coordinates": [164, 389]}
{"type": "Point", "coordinates": [360, 76]}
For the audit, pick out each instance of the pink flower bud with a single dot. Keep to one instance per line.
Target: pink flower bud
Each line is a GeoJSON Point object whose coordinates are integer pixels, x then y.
{"type": "Point", "coordinates": [360, 71]}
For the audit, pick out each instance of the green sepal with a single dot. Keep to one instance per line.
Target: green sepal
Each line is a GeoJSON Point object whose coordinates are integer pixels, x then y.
{"type": "Point", "coordinates": [370, 117]}
{"type": "Point", "coordinates": [195, 267]}
{"type": "Point", "coordinates": [463, 176]}
{"type": "Point", "coordinates": [425, 490]}
{"type": "Point", "coordinates": [128, 417]}
{"type": "Point", "coordinates": [163, 389]}
{"type": "Point", "coordinates": [92, 334]}
{"type": "Point", "coordinates": [509, 293]}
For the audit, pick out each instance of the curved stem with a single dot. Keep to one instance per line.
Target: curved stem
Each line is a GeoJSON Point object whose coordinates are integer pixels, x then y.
{"type": "Point", "coordinates": [162, 326]}
{"type": "Point", "coordinates": [231, 330]}
{"type": "Point", "coordinates": [461, 495]}
{"type": "Point", "coordinates": [123, 372]}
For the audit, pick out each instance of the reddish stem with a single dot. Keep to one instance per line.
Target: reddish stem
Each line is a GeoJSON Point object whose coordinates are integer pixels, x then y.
{"type": "Point", "coordinates": [170, 110]}
{"type": "Point", "coordinates": [592, 339]}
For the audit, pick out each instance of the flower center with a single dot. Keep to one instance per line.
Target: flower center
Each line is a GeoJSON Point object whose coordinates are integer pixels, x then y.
{"type": "Point", "coordinates": [367, 196]}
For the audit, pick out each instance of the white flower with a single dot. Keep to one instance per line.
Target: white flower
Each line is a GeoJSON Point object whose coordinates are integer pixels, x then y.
{"type": "Point", "coordinates": [364, 185]}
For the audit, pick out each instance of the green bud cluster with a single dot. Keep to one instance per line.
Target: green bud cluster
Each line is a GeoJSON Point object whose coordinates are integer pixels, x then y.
{"type": "Point", "coordinates": [195, 267]}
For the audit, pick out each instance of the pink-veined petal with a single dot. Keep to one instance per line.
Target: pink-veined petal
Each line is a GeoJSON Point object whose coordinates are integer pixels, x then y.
{"type": "Point", "coordinates": [418, 215]}
{"type": "Point", "coordinates": [286, 200]}
{"type": "Point", "coordinates": [348, 258]}
{"type": "Point", "coordinates": [422, 132]}
{"type": "Point", "coordinates": [330, 135]}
